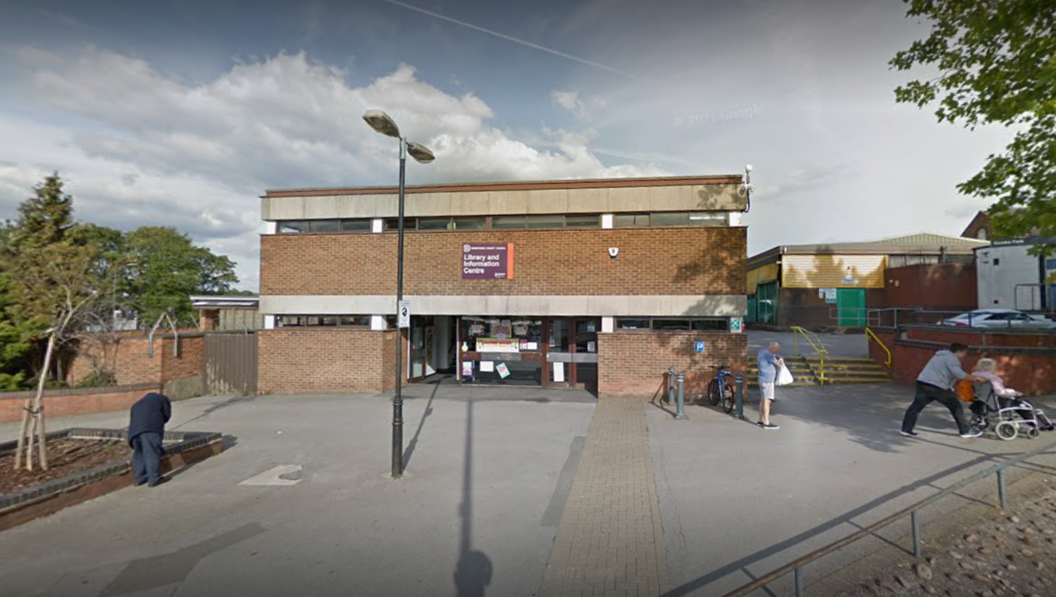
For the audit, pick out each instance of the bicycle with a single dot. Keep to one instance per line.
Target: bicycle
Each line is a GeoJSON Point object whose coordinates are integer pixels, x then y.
{"type": "Point", "coordinates": [721, 390]}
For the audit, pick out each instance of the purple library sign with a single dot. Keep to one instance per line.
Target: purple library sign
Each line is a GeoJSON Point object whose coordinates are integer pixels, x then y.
{"type": "Point", "coordinates": [487, 262]}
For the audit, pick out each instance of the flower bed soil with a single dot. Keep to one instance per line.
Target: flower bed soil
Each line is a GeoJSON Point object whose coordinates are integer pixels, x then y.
{"type": "Point", "coordinates": [66, 456]}
{"type": "Point", "coordinates": [1005, 556]}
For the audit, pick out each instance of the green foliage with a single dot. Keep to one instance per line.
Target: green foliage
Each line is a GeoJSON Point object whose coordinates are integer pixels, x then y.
{"type": "Point", "coordinates": [165, 268]}
{"type": "Point", "coordinates": [98, 379]}
{"type": "Point", "coordinates": [996, 64]}
{"type": "Point", "coordinates": [56, 272]}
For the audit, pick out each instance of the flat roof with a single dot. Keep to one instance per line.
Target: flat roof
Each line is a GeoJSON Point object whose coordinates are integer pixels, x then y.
{"type": "Point", "coordinates": [923, 243]}
{"type": "Point", "coordinates": [231, 301]}
{"type": "Point", "coordinates": [471, 187]}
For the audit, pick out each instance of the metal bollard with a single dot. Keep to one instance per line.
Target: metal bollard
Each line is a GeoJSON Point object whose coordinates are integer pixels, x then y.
{"type": "Point", "coordinates": [1001, 489]}
{"type": "Point", "coordinates": [740, 396]}
{"type": "Point", "coordinates": [680, 414]}
{"type": "Point", "coordinates": [671, 385]}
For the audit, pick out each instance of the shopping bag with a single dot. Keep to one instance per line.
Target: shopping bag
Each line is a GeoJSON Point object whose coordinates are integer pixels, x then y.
{"type": "Point", "coordinates": [784, 376]}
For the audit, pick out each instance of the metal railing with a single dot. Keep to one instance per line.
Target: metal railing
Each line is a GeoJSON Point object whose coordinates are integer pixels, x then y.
{"type": "Point", "coordinates": [902, 316]}
{"type": "Point", "coordinates": [815, 343]}
{"type": "Point", "coordinates": [796, 566]}
{"type": "Point", "coordinates": [871, 336]}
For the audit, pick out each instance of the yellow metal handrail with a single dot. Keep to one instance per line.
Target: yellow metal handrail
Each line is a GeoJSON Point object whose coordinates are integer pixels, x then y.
{"type": "Point", "coordinates": [871, 336]}
{"type": "Point", "coordinates": [815, 343]}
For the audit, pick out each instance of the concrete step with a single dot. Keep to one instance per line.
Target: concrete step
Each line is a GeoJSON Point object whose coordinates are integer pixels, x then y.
{"type": "Point", "coordinates": [842, 361]}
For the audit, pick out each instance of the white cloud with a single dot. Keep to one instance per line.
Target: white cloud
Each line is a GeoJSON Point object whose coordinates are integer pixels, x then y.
{"type": "Point", "coordinates": [570, 101]}
{"type": "Point", "coordinates": [154, 149]}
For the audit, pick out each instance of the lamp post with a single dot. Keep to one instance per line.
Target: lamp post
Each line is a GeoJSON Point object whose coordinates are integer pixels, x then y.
{"type": "Point", "coordinates": [384, 124]}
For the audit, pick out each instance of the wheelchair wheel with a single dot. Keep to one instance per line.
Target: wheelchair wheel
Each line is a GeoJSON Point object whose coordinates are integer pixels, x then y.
{"type": "Point", "coordinates": [713, 392]}
{"type": "Point", "coordinates": [1006, 430]}
{"type": "Point", "coordinates": [1033, 433]}
{"type": "Point", "coordinates": [728, 400]}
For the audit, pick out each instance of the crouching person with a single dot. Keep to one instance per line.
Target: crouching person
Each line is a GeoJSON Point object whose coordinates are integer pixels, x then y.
{"type": "Point", "coordinates": [146, 429]}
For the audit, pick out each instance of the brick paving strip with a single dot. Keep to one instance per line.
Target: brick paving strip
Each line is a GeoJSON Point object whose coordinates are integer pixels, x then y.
{"type": "Point", "coordinates": [610, 541]}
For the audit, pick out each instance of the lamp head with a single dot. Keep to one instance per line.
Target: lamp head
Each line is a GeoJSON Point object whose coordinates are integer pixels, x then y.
{"type": "Point", "coordinates": [382, 123]}
{"type": "Point", "coordinates": [420, 153]}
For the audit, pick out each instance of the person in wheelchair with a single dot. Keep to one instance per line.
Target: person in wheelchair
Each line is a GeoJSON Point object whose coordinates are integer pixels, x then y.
{"type": "Point", "coordinates": [1006, 396]}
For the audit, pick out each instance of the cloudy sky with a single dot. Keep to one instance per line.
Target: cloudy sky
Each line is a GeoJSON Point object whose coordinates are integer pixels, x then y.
{"type": "Point", "coordinates": [183, 112]}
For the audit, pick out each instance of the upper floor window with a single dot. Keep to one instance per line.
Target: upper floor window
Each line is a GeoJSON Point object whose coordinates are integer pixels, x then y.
{"type": "Point", "coordinates": [394, 224]}
{"type": "Point", "coordinates": [506, 222]}
{"type": "Point", "coordinates": [593, 221]}
{"type": "Point", "coordinates": [669, 218]}
{"type": "Point", "coordinates": [302, 226]}
{"type": "Point", "coordinates": [477, 223]}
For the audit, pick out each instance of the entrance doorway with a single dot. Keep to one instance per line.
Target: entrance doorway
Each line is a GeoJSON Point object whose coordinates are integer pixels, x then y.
{"type": "Point", "coordinates": [431, 349]}
{"type": "Point", "coordinates": [850, 307]}
{"type": "Point", "coordinates": [572, 352]}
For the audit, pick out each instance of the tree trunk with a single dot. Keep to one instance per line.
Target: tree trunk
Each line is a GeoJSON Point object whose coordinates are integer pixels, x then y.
{"type": "Point", "coordinates": [22, 433]}
{"type": "Point", "coordinates": [38, 404]}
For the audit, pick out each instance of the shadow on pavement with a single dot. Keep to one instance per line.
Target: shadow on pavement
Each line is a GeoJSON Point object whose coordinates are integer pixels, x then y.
{"type": "Point", "coordinates": [474, 570]}
{"type": "Point", "coordinates": [218, 406]}
{"type": "Point", "coordinates": [411, 445]}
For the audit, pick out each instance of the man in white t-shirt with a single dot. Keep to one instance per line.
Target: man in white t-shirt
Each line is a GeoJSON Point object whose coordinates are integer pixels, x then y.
{"type": "Point", "coordinates": [768, 361]}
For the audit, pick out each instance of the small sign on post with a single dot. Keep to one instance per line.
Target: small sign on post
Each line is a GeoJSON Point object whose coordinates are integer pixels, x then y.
{"type": "Point", "coordinates": [698, 346]}
{"type": "Point", "coordinates": [404, 316]}
{"type": "Point", "coordinates": [736, 325]}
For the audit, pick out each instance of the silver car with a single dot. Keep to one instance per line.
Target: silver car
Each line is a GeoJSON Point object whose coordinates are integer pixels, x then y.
{"type": "Point", "coordinates": [1000, 319]}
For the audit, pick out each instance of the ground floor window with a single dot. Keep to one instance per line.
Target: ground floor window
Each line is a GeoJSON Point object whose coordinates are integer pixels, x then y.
{"type": "Point", "coordinates": [316, 321]}
{"type": "Point", "coordinates": [717, 324]}
{"type": "Point", "coordinates": [539, 351]}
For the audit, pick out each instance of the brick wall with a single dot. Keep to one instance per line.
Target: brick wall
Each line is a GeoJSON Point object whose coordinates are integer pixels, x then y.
{"type": "Point", "coordinates": [189, 363]}
{"type": "Point", "coordinates": [65, 403]}
{"type": "Point", "coordinates": [946, 286]}
{"type": "Point", "coordinates": [324, 360]}
{"type": "Point", "coordinates": [675, 261]}
{"type": "Point", "coordinates": [1024, 367]}
{"type": "Point", "coordinates": [634, 363]}
{"type": "Point", "coordinates": [128, 357]}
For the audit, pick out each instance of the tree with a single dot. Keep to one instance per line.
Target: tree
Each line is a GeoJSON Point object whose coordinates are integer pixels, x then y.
{"type": "Point", "coordinates": [51, 276]}
{"type": "Point", "coordinates": [165, 268]}
{"type": "Point", "coordinates": [996, 63]}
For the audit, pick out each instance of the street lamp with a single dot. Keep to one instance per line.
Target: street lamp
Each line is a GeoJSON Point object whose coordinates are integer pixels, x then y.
{"type": "Point", "coordinates": [384, 124]}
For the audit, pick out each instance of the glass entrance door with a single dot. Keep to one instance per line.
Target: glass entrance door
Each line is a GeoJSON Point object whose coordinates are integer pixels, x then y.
{"type": "Point", "coordinates": [560, 347]}
{"type": "Point", "coordinates": [421, 350]}
{"type": "Point", "coordinates": [585, 359]}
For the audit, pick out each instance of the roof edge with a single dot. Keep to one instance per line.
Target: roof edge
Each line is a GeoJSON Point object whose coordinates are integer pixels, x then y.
{"type": "Point", "coordinates": [576, 183]}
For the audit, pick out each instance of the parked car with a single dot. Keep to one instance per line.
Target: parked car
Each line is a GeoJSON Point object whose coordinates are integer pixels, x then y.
{"type": "Point", "coordinates": [1000, 319]}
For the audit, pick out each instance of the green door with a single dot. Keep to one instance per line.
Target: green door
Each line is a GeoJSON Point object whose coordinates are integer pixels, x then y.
{"type": "Point", "coordinates": [850, 306]}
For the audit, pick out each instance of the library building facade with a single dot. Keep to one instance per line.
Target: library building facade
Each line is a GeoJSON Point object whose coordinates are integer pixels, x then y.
{"type": "Point", "coordinates": [596, 284]}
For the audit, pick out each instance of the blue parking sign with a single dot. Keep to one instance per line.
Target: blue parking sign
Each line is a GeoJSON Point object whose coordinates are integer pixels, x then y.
{"type": "Point", "coordinates": [698, 346]}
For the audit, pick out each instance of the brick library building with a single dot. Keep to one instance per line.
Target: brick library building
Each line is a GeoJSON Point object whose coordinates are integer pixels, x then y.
{"type": "Point", "coordinates": [596, 284]}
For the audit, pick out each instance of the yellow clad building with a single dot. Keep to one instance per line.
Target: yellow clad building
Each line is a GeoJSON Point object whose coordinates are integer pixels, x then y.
{"type": "Point", "coordinates": [836, 285]}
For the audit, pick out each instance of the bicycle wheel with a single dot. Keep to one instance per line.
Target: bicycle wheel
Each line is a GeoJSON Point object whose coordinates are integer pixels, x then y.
{"type": "Point", "coordinates": [713, 392]}
{"type": "Point", "coordinates": [728, 399]}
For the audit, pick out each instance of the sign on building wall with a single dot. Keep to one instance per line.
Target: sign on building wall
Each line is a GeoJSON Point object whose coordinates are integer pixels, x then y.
{"type": "Point", "coordinates": [487, 262]}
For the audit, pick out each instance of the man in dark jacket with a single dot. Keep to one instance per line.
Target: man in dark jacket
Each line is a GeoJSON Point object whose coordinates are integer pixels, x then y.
{"type": "Point", "coordinates": [145, 432]}
{"type": "Point", "coordinates": [936, 382]}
